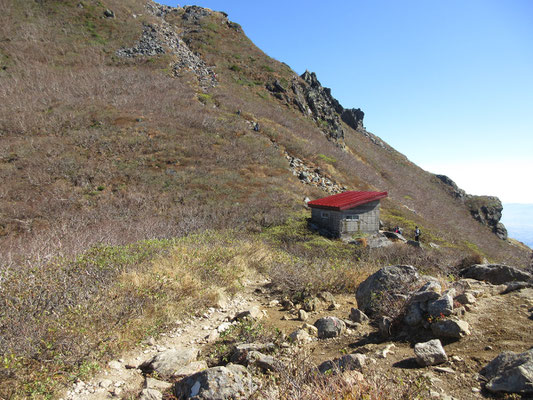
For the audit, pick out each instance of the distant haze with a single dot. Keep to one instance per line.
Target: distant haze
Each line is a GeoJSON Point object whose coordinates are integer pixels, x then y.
{"type": "Point", "coordinates": [518, 219]}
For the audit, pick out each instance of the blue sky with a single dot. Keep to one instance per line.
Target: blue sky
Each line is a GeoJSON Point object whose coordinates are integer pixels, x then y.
{"type": "Point", "coordinates": [447, 83]}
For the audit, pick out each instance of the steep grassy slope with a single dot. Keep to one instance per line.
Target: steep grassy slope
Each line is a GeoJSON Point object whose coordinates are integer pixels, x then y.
{"type": "Point", "coordinates": [105, 160]}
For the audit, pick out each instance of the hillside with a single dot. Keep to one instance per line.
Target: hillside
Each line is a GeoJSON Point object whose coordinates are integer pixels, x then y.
{"type": "Point", "coordinates": [126, 127]}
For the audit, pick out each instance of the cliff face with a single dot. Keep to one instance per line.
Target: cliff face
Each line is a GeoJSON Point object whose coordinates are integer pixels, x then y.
{"type": "Point", "coordinates": [487, 210]}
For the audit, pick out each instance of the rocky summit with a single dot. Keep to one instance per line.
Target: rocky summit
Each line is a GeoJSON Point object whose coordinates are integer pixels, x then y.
{"type": "Point", "coordinates": [156, 241]}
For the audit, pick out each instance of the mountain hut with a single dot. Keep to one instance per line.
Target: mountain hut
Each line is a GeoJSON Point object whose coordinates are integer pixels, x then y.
{"type": "Point", "coordinates": [347, 213]}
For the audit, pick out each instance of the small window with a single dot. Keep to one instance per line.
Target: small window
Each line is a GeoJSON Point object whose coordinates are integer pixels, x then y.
{"type": "Point", "coordinates": [352, 217]}
{"type": "Point", "coordinates": [325, 214]}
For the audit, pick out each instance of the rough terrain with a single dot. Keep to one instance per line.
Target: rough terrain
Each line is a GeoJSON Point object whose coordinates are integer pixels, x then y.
{"type": "Point", "coordinates": [498, 322]}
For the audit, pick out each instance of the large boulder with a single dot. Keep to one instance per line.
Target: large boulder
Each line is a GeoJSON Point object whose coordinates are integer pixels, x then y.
{"type": "Point", "coordinates": [388, 283]}
{"type": "Point", "coordinates": [329, 327]}
{"type": "Point", "coordinates": [510, 372]}
{"type": "Point", "coordinates": [217, 383]}
{"type": "Point", "coordinates": [430, 353]}
{"type": "Point", "coordinates": [496, 274]}
{"type": "Point", "coordinates": [169, 361]}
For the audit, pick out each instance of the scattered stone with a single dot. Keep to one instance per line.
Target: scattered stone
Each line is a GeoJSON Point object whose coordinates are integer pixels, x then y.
{"type": "Point", "coordinates": [167, 362]}
{"type": "Point", "coordinates": [450, 328]}
{"type": "Point", "coordinates": [273, 303]}
{"type": "Point", "coordinates": [383, 353]}
{"type": "Point", "coordinates": [392, 280]}
{"type": "Point", "coordinates": [311, 304]}
{"type": "Point", "coordinates": [444, 370]}
{"type": "Point", "coordinates": [300, 336]}
{"type": "Point", "coordinates": [191, 368]}
{"type": "Point", "coordinates": [150, 394]}
{"type": "Point", "coordinates": [115, 365]}
{"type": "Point", "coordinates": [358, 316]}
{"type": "Point", "coordinates": [430, 353]}
{"type": "Point", "coordinates": [229, 382]}
{"type": "Point", "coordinates": [151, 383]}
{"type": "Point", "coordinates": [302, 315]}
{"type": "Point", "coordinates": [252, 312]}
{"type": "Point", "coordinates": [348, 362]}
{"type": "Point", "coordinates": [329, 327]}
{"type": "Point", "coordinates": [310, 329]}
{"type": "Point", "coordinates": [326, 297]}
{"type": "Point", "coordinates": [385, 326]}
{"type": "Point", "coordinates": [224, 326]}
{"type": "Point", "coordinates": [466, 298]}
{"type": "Point", "coordinates": [510, 372]}
{"type": "Point", "coordinates": [105, 383]}
{"type": "Point", "coordinates": [263, 362]}
{"type": "Point", "coordinates": [157, 39]}
{"type": "Point", "coordinates": [495, 273]}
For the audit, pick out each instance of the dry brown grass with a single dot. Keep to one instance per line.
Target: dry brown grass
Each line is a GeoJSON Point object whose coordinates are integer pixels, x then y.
{"type": "Point", "coordinates": [300, 380]}
{"type": "Point", "coordinates": [61, 320]}
{"type": "Point", "coordinates": [99, 153]}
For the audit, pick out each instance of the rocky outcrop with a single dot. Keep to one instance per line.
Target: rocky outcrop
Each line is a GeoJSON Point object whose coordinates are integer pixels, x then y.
{"type": "Point", "coordinates": [315, 101]}
{"type": "Point", "coordinates": [353, 117]}
{"type": "Point", "coordinates": [452, 187]}
{"type": "Point", "coordinates": [487, 210]}
{"type": "Point", "coordinates": [320, 104]}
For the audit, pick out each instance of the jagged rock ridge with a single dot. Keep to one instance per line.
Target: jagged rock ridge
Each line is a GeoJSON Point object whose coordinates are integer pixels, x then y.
{"type": "Point", "coordinates": [315, 101]}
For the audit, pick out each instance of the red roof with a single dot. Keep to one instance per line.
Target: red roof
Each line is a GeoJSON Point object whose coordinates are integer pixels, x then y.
{"type": "Point", "coordinates": [346, 200]}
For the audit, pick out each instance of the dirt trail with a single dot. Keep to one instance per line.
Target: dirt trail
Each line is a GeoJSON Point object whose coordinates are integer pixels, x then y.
{"type": "Point", "coordinates": [122, 376]}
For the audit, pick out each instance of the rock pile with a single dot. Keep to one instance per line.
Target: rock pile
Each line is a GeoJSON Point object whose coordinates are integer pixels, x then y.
{"type": "Point", "coordinates": [161, 38]}
{"type": "Point", "coordinates": [312, 176]}
{"type": "Point", "coordinates": [395, 291]}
